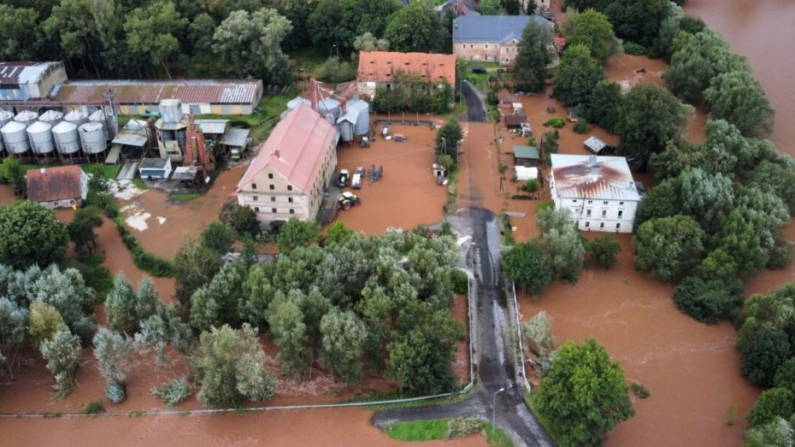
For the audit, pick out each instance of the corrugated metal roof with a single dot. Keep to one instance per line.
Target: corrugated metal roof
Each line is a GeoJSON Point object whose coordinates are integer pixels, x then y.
{"type": "Point", "coordinates": [525, 152]}
{"type": "Point", "coordinates": [23, 72]}
{"type": "Point", "coordinates": [472, 28]}
{"type": "Point", "coordinates": [53, 184]}
{"type": "Point", "coordinates": [235, 137]}
{"type": "Point", "coordinates": [592, 177]}
{"type": "Point", "coordinates": [212, 127]}
{"type": "Point", "coordinates": [151, 92]}
{"type": "Point", "coordinates": [381, 66]}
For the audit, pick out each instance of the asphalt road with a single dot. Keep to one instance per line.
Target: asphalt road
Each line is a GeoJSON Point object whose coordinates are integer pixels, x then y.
{"type": "Point", "coordinates": [494, 373]}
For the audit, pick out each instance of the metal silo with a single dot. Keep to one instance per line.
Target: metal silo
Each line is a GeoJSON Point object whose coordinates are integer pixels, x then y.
{"type": "Point", "coordinates": [297, 101]}
{"type": "Point", "coordinates": [40, 138]}
{"type": "Point", "coordinates": [77, 116]}
{"type": "Point", "coordinates": [330, 109]}
{"type": "Point", "coordinates": [15, 137]}
{"type": "Point", "coordinates": [51, 117]}
{"type": "Point", "coordinates": [66, 140]}
{"type": "Point", "coordinates": [94, 138]}
{"type": "Point", "coordinates": [362, 126]}
{"type": "Point", "coordinates": [26, 117]}
{"type": "Point", "coordinates": [5, 117]}
{"type": "Point", "coordinates": [99, 117]}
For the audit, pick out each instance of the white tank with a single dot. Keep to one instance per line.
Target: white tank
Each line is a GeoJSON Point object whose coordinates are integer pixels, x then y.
{"type": "Point", "coordinates": [93, 137]}
{"type": "Point", "coordinates": [346, 122]}
{"type": "Point", "coordinates": [297, 101]}
{"type": "Point", "coordinates": [66, 139]}
{"type": "Point", "coordinates": [51, 117]}
{"type": "Point", "coordinates": [98, 117]}
{"type": "Point", "coordinates": [362, 126]}
{"type": "Point", "coordinates": [15, 137]}
{"type": "Point", "coordinates": [329, 108]}
{"type": "Point", "coordinates": [5, 117]}
{"type": "Point", "coordinates": [40, 137]}
{"type": "Point", "coordinates": [26, 117]}
{"type": "Point", "coordinates": [78, 116]}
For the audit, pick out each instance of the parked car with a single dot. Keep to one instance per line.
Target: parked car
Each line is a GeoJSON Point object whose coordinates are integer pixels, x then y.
{"type": "Point", "coordinates": [478, 69]}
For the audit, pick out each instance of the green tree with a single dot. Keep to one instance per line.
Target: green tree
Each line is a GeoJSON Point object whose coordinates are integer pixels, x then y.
{"type": "Point", "coordinates": [120, 306]}
{"type": "Point", "coordinates": [152, 32]}
{"type": "Point", "coordinates": [660, 201]}
{"type": "Point", "coordinates": [739, 99]}
{"type": "Point", "coordinates": [526, 265]}
{"type": "Point", "coordinates": [243, 220]}
{"type": "Point", "coordinates": [333, 25]}
{"type": "Point", "coordinates": [447, 139]}
{"type": "Point", "coordinates": [289, 331]}
{"type": "Point", "coordinates": [602, 251]}
{"type": "Point", "coordinates": [252, 43]}
{"type": "Point", "coordinates": [231, 367]}
{"type": "Point", "coordinates": [604, 105]}
{"type": "Point", "coordinates": [67, 292]}
{"type": "Point", "coordinates": [194, 266]}
{"type": "Point", "coordinates": [561, 243]}
{"type": "Point", "coordinates": [113, 352]}
{"type": "Point", "coordinates": [785, 375]}
{"type": "Point", "coordinates": [72, 23]}
{"type": "Point", "coordinates": [81, 228]}
{"type": "Point", "coordinates": [62, 353]}
{"type": "Point", "coordinates": [649, 117]}
{"type": "Point", "coordinates": [410, 29]}
{"type": "Point", "coordinates": [530, 65]}
{"type": "Point", "coordinates": [708, 301]}
{"type": "Point", "coordinates": [777, 433]}
{"type": "Point", "coordinates": [13, 333]}
{"type": "Point", "coordinates": [216, 302]}
{"type": "Point", "coordinates": [368, 42]}
{"type": "Point", "coordinates": [344, 335]}
{"type": "Point", "coordinates": [578, 75]}
{"type": "Point", "coordinates": [297, 233]}
{"type": "Point", "coordinates": [637, 21]}
{"type": "Point", "coordinates": [30, 234]}
{"type": "Point", "coordinates": [490, 7]}
{"type": "Point", "coordinates": [707, 198]}
{"type": "Point", "coordinates": [771, 404]}
{"type": "Point", "coordinates": [18, 41]}
{"type": "Point", "coordinates": [668, 247]}
{"type": "Point", "coordinates": [778, 177]}
{"type": "Point", "coordinates": [45, 321]}
{"type": "Point", "coordinates": [421, 364]}
{"type": "Point", "coordinates": [338, 232]}
{"type": "Point", "coordinates": [584, 394]}
{"type": "Point", "coordinates": [13, 173]}
{"type": "Point", "coordinates": [218, 237]}
{"type": "Point", "coordinates": [762, 352]}
{"type": "Point", "coordinates": [592, 29]}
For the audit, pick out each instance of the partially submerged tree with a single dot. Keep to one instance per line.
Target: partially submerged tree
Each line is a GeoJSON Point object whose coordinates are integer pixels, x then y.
{"type": "Point", "coordinates": [30, 234]}
{"type": "Point", "coordinates": [344, 335]}
{"type": "Point", "coordinates": [592, 29]}
{"type": "Point", "coordinates": [668, 247]}
{"type": "Point", "coordinates": [577, 76]}
{"type": "Point", "coordinates": [45, 321]}
{"type": "Point", "coordinates": [62, 353]}
{"type": "Point", "coordinates": [113, 351]}
{"type": "Point", "coordinates": [739, 99]}
{"type": "Point", "coordinates": [218, 237]}
{"type": "Point", "coordinates": [447, 139]}
{"type": "Point", "coordinates": [526, 265]}
{"type": "Point", "coordinates": [530, 65]}
{"type": "Point", "coordinates": [602, 251]}
{"type": "Point", "coordinates": [81, 228]}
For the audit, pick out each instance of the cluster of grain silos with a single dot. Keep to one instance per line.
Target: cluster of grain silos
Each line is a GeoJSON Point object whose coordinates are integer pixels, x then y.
{"type": "Point", "coordinates": [355, 121]}
{"type": "Point", "coordinates": [30, 135]}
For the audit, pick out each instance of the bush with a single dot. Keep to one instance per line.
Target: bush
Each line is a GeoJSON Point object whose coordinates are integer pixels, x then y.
{"type": "Point", "coordinates": [635, 49]}
{"type": "Point", "coordinates": [639, 390]}
{"type": "Point", "coordinates": [156, 265]}
{"type": "Point", "coordinates": [530, 186]}
{"type": "Point", "coordinates": [94, 407]}
{"type": "Point", "coordinates": [708, 301]}
{"type": "Point", "coordinates": [521, 197]}
{"type": "Point", "coordinates": [175, 392]}
{"type": "Point", "coordinates": [556, 122]}
{"type": "Point", "coordinates": [460, 282]}
{"type": "Point", "coordinates": [336, 71]}
{"type": "Point", "coordinates": [581, 126]}
{"type": "Point", "coordinates": [116, 392]}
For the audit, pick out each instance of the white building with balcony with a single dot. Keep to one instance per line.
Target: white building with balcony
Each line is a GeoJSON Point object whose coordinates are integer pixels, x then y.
{"type": "Point", "coordinates": [599, 191]}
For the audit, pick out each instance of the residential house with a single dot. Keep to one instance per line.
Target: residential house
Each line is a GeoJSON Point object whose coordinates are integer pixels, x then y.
{"type": "Point", "coordinates": [526, 156]}
{"type": "Point", "coordinates": [292, 169]}
{"type": "Point", "coordinates": [379, 68]}
{"type": "Point", "coordinates": [599, 191]}
{"type": "Point", "coordinates": [58, 187]}
{"type": "Point", "coordinates": [490, 38]}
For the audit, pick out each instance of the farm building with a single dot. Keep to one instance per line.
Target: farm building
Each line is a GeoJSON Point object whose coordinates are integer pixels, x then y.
{"type": "Point", "coordinates": [26, 80]}
{"type": "Point", "coordinates": [526, 155]}
{"type": "Point", "coordinates": [58, 187]}
{"type": "Point", "coordinates": [490, 38]}
{"type": "Point", "coordinates": [196, 96]}
{"type": "Point", "coordinates": [379, 68]}
{"type": "Point", "coordinates": [599, 191]}
{"type": "Point", "coordinates": [598, 147]}
{"type": "Point", "coordinates": [155, 168]}
{"type": "Point", "coordinates": [292, 169]}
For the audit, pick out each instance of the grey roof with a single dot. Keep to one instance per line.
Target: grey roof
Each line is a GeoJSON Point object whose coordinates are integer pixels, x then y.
{"type": "Point", "coordinates": [15, 73]}
{"type": "Point", "coordinates": [235, 137]}
{"type": "Point", "coordinates": [185, 173]}
{"type": "Point", "coordinates": [212, 127]}
{"type": "Point", "coordinates": [492, 28]}
{"type": "Point", "coordinates": [526, 152]}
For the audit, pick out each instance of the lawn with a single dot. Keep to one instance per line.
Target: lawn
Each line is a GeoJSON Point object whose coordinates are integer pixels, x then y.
{"type": "Point", "coordinates": [184, 197]}
{"type": "Point", "coordinates": [265, 115]}
{"type": "Point", "coordinates": [437, 430]}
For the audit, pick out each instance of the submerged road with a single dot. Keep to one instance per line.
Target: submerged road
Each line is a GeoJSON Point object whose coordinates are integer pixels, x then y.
{"type": "Point", "coordinates": [494, 369]}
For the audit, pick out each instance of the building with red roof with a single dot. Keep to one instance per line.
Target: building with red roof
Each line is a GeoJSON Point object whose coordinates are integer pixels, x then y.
{"type": "Point", "coordinates": [292, 169]}
{"type": "Point", "coordinates": [58, 187]}
{"type": "Point", "coordinates": [379, 69]}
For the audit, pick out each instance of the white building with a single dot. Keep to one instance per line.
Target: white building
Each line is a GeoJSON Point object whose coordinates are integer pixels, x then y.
{"type": "Point", "coordinates": [599, 191]}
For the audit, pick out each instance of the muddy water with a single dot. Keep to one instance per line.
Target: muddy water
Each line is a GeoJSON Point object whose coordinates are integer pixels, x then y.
{"type": "Point", "coordinates": [690, 369]}
{"type": "Point", "coordinates": [407, 195]}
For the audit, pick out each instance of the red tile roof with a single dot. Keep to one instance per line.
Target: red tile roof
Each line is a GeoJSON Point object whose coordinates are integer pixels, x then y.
{"type": "Point", "coordinates": [301, 139]}
{"type": "Point", "coordinates": [381, 66]}
{"type": "Point", "coordinates": [53, 184]}
{"type": "Point", "coordinates": [151, 92]}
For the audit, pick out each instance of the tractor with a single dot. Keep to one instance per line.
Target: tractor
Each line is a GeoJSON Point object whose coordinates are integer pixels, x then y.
{"type": "Point", "coordinates": [348, 200]}
{"type": "Point", "coordinates": [344, 178]}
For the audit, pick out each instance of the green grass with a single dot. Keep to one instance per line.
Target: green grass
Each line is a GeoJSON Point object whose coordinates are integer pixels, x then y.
{"type": "Point", "coordinates": [140, 184]}
{"type": "Point", "coordinates": [418, 430]}
{"type": "Point", "coordinates": [264, 118]}
{"type": "Point", "coordinates": [184, 197]}
{"type": "Point", "coordinates": [311, 59]}
{"type": "Point", "coordinates": [110, 171]}
{"type": "Point", "coordinates": [94, 407]}
{"type": "Point", "coordinates": [495, 436]}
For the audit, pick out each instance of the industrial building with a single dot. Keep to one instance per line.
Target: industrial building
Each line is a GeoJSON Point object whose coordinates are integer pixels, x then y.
{"type": "Point", "coordinates": [378, 69]}
{"type": "Point", "coordinates": [25, 80]}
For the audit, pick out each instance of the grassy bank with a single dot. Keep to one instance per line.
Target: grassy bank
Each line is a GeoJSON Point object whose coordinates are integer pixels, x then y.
{"type": "Point", "coordinates": [440, 429]}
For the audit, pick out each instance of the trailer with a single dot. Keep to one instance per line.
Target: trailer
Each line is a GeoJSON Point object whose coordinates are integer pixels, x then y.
{"type": "Point", "coordinates": [358, 175]}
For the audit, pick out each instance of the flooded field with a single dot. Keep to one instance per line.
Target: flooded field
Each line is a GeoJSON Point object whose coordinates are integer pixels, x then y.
{"type": "Point", "coordinates": [407, 195]}
{"type": "Point", "coordinates": [691, 370]}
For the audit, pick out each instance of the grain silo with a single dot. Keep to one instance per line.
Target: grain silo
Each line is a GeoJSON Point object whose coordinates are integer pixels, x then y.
{"type": "Point", "coordinates": [347, 122]}
{"type": "Point", "coordinates": [26, 117]}
{"type": "Point", "coordinates": [15, 137]}
{"type": "Point", "coordinates": [98, 116]}
{"type": "Point", "coordinates": [66, 139]}
{"type": "Point", "coordinates": [51, 117]}
{"type": "Point", "coordinates": [40, 138]}
{"type": "Point", "coordinates": [78, 116]}
{"type": "Point", "coordinates": [330, 109]}
{"type": "Point", "coordinates": [93, 138]}
{"type": "Point", "coordinates": [362, 126]}
{"type": "Point", "coordinates": [5, 117]}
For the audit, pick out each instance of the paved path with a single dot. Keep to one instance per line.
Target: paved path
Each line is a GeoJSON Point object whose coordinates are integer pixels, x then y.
{"type": "Point", "coordinates": [495, 371]}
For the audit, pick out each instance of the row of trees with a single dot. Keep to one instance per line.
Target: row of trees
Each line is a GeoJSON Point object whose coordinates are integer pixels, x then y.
{"type": "Point", "coordinates": [411, 94]}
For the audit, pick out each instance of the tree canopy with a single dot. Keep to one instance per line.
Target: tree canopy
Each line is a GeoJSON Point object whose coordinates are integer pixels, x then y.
{"type": "Point", "coordinates": [529, 70]}
{"type": "Point", "coordinates": [739, 99]}
{"type": "Point", "coordinates": [30, 234]}
{"type": "Point", "coordinates": [592, 29]}
{"type": "Point", "coordinates": [668, 247]}
{"type": "Point", "coordinates": [577, 76]}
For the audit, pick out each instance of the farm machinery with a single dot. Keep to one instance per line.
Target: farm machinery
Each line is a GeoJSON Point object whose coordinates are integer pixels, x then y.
{"type": "Point", "coordinates": [348, 200]}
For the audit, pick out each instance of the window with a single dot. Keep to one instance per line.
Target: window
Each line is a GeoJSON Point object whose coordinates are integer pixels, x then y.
{"type": "Point", "coordinates": [604, 203]}
{"type": "Point", "coordinates": [253, 186]}
{"type": "Point", "coordinates": [604, 213]}
{"type": "Point", "coordinates": [72, 202]}
{"type": "Point", "coordinates": [290, 199]}
{"type": "Point", "coordinates": [620, 213]}
{"type": "Point", "coordinates": [602, 225]}
{"type": "Point", "coordinates": [587, 224]}
{"type": "Point", "coordinates": [254, 198]}
{"type": "Point", "coordinates": [620, 203]}
{"type": "Point", "coordinates": [256, 209]}
{"type": "Point", "coordinates": [271, 187]}
{"type": "Point", "coordinates": [588, 213]}
{"type": "Point", "coordinates": [292, 211]}
{"type": "Point", "coordinates": [270, 176]}
{"type": "Point", "coordinates": [618, 225]}
{"type": "Point", "coordinates": [590, 202]}
{"type": "Point", "coordinates": [273, 210]}
{"type": "Point", "coordinates": [289, 187]}
{"type": "Point", "coordinates": [472, 45]}
{"type": "Point", "coordinates": [573, 201]}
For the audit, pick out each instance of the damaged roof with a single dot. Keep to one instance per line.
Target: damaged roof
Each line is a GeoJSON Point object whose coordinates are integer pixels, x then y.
{"type": "Point", "coordinates": [592, 177]}
{"type": "Point", "coordinates": [152, 92]}
{"type": "Point", "coordinates": [15, 73]}
{"type": "Point", "coordinates": [54, 184]}
{"type": "Point", "coordinates": [381, 66]}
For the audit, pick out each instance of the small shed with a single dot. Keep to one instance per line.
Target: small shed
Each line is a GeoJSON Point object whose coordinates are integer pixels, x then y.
{"type": "Point", "coordinates": [187, 175]}
{"type": "Point", "coordinates": [514, 121]}
{"type": "Point", "coordinates": [596, 146]}
{"type": "Point", "coordinates": [155, 168]}
{"type": "Point", "coordinates": [517, 107]}
{"type": "Point", "coordinates": [523, 174]}
{"type": "Point", "coordinates": [573, 114]}
{"type": "Point", "coordinates": [526, 155]}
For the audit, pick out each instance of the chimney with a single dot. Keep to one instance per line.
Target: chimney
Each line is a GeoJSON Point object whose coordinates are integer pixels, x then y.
{"type": "Point", "coordinates": [593, 164]}
{"type": "Point", "coordinates": [278, 153]}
